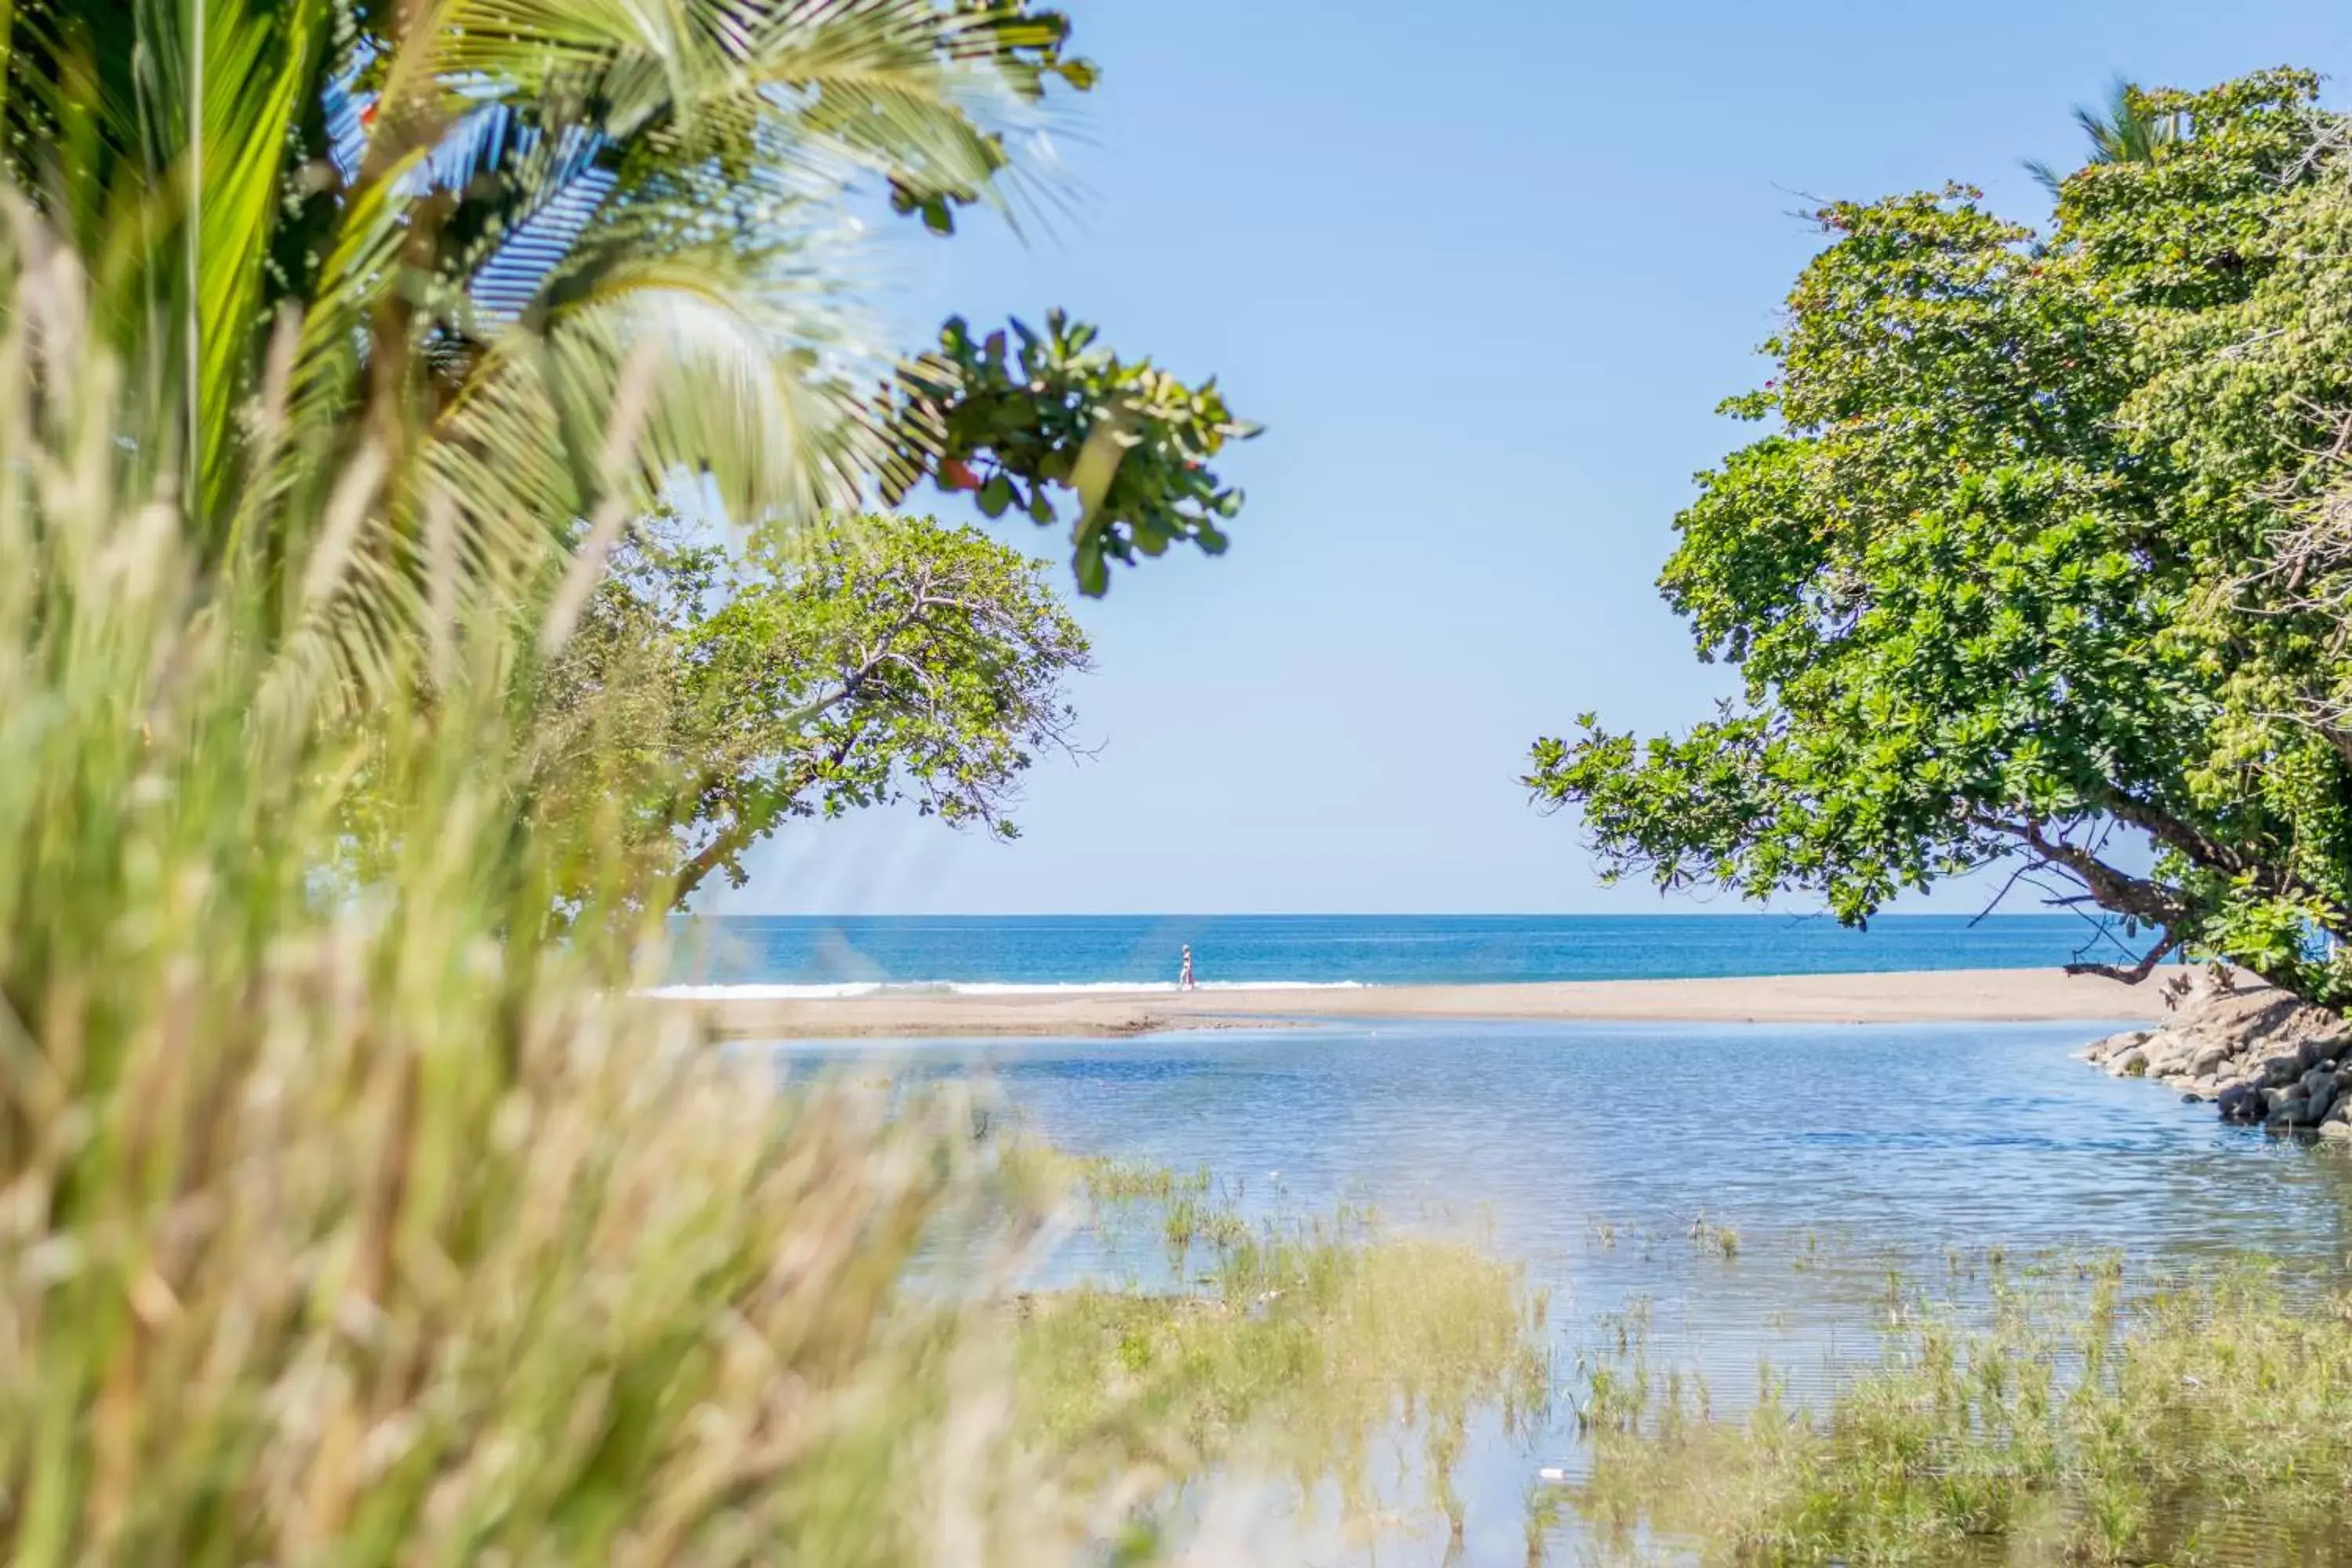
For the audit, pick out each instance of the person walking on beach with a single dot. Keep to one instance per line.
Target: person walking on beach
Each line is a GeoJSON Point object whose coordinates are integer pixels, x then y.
{"type": "Point", "coordinates": [1185, 981]}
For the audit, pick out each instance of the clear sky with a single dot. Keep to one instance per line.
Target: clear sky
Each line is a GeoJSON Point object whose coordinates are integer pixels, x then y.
{"type": "Point", "coordinates": [1484, 272]}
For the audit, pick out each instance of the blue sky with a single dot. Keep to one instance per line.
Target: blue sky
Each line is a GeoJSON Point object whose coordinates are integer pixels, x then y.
{"type": "Point", "coordinates": [1484, 272]}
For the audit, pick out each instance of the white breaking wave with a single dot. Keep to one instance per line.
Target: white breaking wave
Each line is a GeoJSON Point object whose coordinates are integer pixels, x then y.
{"type": "Point", "coordinates": [760, 992]}
{"type": "Point", "coordinates": [772, 991]}
{"type": "Point", "coordinates": [1124, 987]}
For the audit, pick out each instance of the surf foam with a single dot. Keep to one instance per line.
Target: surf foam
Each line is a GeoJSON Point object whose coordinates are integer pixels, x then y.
{"type": "Point", "coordinates": [774, 991]}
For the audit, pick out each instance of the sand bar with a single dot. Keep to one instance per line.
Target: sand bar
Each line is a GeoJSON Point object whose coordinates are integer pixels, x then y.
{"type": "Point", "coordinates": [1955, 995]}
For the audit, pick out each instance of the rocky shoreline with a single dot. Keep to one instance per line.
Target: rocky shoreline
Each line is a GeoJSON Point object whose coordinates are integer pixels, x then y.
{"type": "Point", "coordinates": [2263, 1057]}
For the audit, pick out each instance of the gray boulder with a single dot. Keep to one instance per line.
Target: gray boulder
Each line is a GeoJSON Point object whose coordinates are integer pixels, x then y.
{"type": "Point", "coordinates": [2241, 1102]}
{"type": "Point", "coordinates": [2102, 1050]}
{"type": "Point", "coordinates": [2291, 1112]}
{"type": "Point", "coordinates": [2277, 1072]}
{"type": "Point", "coordinates": [2208, 1055]}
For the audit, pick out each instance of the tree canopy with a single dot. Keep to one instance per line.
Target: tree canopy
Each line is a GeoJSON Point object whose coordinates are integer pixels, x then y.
{"type": "Point", "coordinates": [857, 662]}
{"type": "Point", "coordinates": [2038, 567]}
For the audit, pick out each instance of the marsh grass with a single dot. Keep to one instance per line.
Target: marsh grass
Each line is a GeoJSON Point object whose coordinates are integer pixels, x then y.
{"type": "Point", "coordinates": [352, 1210]}
{"type": "Point", "coordinates": [2205, 1421]}
{"type": "Point", "coordinates": [1310, 1344]}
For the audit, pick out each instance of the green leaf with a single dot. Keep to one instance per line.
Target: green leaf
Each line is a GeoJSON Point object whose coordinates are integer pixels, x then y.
{"type": "Point", "coordinates": [1129, 441]}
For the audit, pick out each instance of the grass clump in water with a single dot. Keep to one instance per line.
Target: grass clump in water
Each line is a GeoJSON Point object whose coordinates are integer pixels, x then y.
{"type": "Point", "coordinates": [1109, 1180]}
{"type": "Point", "coordinates": [1712, 1236]}
{"type": "Point", "coordinates": [2193, 1420]}
{"type": "Point", "coordinates": [1307, 1343]}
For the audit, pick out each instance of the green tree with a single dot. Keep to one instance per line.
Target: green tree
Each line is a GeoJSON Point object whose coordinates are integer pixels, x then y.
{"type": "Point", "coordinates": [854, 663]}
{"type": "Point", "coordinates": [2003, 588]}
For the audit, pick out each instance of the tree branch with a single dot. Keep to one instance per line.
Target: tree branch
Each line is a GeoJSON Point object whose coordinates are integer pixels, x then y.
{"type": "Point", "coordinates": [2134, 974]}
{"type": "Point", "coordinates": [755, 818]}
{"type": "Point", "coordinates": [2114, 888]}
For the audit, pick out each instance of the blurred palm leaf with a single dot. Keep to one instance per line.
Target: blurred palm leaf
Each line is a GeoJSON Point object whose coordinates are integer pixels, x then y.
{"type": "Point", "coordinates": [444, 230]}
{"type": "Point", "coordinates": [2127, 129]}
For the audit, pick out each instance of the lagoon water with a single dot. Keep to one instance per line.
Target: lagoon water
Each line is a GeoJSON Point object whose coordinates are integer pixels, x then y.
{"type": "Point", "coordinates": [1589, 1150]}
{"type": "Point", "coordinates": [1841, 1157]}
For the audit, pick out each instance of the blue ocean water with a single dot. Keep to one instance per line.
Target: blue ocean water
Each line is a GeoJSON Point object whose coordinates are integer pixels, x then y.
{"type": "Point", "coordinates": [817, 954]}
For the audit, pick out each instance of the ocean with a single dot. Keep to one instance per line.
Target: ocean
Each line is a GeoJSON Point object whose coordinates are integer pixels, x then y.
{"type": "Point", "coordinates": [983, 954]}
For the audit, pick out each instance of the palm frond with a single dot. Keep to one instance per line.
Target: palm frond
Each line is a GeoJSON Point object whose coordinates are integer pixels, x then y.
{"type": "Point", "coordinates": [454, 230]}
{"type": "Point", "coordinates": [261, 74]}
{"type": "Point", "coordinates": [744, 399]}
{"type": "Point", "coordinates": [2124, 129]}
{"type": "Point", "coordinates": [679, 174]}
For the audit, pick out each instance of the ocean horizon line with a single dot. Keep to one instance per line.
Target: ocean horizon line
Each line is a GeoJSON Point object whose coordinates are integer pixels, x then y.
{"type": "Point", "coordinates": [1793, 919]}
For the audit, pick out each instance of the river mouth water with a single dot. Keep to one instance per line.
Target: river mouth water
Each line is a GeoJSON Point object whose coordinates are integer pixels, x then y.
{"type": "Point", "coordinates": [1612, 1159]}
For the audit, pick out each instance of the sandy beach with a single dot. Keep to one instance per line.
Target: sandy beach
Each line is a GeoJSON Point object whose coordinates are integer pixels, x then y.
{"type": "Point", "coordinates": [1959, 996]}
